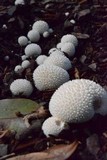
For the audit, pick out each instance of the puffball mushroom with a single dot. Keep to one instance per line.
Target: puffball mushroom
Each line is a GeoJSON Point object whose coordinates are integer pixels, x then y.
{"type": "Point", "coordinates": [53, 126]}
{"type": "Point", "coordinates": [46, 34]}
{"type": "Point", "coordinates": [33, 50]}
{"type": "Point", "coordinates": [23, 41]}
{"type": "Point", "coordinates": [33, 35]}
{"type": "Point", "coordinates": [68, 48]}
{"type": "Point", "coordinates": [40, 59]}
{"type": "Point", "coordinates": [78, 100]}
{"type": "Point", "coordinates": [18, 69]}
{"type": "Point", "coordinates": [24, 57]}
{"type": "Point", "coordinates": [58, 60]}
{"type": "Point", "coordinates": [41, 26]}
{"type": "Point", "coordinates": [69, 38]}
{"type": "Point", "coordinates": [21, 87]}
{"type": "Point", "coordinates": [48, 77]}
{"type": "Point", "coordinates": [19, 2]}
{"type": "Point", "coordinates": [25, 64]}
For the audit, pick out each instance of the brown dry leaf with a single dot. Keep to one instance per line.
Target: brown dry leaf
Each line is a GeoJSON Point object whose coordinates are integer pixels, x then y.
{"type": "Point", "coordinates": [76, 73]}
{"type": "Point", "coordinates": [59, 152]}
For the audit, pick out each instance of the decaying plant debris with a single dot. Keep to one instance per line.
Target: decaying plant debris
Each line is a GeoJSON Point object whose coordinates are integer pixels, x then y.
{"type": "Point", "coordinates": [82, 141]}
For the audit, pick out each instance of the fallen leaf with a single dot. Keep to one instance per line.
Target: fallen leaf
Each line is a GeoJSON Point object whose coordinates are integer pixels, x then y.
{"type": "Point", "coordinates": [8, 107]}
{"type": "Point", "coordinates": [59, 152]}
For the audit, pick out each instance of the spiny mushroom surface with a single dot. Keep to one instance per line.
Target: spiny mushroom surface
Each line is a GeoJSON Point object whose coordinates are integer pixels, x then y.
{"type": "Point", "coordinates": [53, 126]}
{"type": "Point", "coordinates": [40, 59]}
{"type": "Point", "coordinates": [21, 87]}
{"type": "Point", "coordinates": [78, 100]}
{"type": "Point", "coordinates": [33, 35]}
{"type": "Point", "coordinates": [33, 50]}
{"type": "Point", "coordinates": [41, 26]}
{"type": "Point", "coordinates": [48, 77]}
{"type": "Point", "coordinates": [58, 60]}
{"type": "Point", "coordinates": [23, 41]}
{"type": "Point", "coordinates": [68, 48]}
{"type": "Point", "coordinates": [69, 38]}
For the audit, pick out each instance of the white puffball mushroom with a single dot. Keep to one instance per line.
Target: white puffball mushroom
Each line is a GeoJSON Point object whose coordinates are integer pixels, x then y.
{"type": "Point", "coordinates": [68, 48]}
{"type": "Point", "coordinates": [58, 60]}
{"type": "Point", "coordinates": [19, 2]}
{"type": "Point", "coordinates": [53, 126]}
{"type": "Point", "coordinates": [40, 59]}
{"type": "Point", "coordinates": [50, 30]}
{"type": "Point", "coordinates": [66, 13]}
{"type": "Point", "coordinates": [40, 26]}
{"type": "Point", "coordinates": [72, 21]}
{"type": "Point", "coordinates": [33, 50]}
{"type": "Point", "coordinates": [18, 69]}
{"type": "Point", "coordinates": [47, 77]}
{"type": "Point", "coordinates": [21, 87]}
{"type": "Point", "coordinates": [78, 100]}
{"type": "Point", "coordinates": [6, 58]}
{"type": "Point", "coordinates": [33, 35]}
{"type": "Point", "coordinates": [46, 34]}
{"type": "Point", "coordinates": [24, 57]}
{"type": "Point", "coordinates": [69, 38]}
{"type": "Point", "coordinates": [25, 64]}
{"type": "Point", "coordinates": [23, 41]}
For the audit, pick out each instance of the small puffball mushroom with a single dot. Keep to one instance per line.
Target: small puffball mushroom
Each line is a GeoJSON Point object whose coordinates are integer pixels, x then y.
{"type": "Point", "coordinates": [24, 57]}
{"type": "Point", "coordinates": [58, 60]}
{"type": "Point", "coordinates": [18, 69]}
{"type": "Point", "coordinates": [72, 21]}
{"type": "Point", "coordinates": [33, 50]}
{"type": "Point", "coordinates": [78, 100]}
{"type": "Point", "coordinates": [53, 126]}
{"type": "Point", "coordinates": [40, 59]}
{"type": "Point", "coordinates": [25, 64]}
{"type": "Point", "coordinates": [68, 48]}
{"type": "Point", "coordinates": [33, 35]}
{"type": "Point", "coordinates": [6, 58]}
{"type": "Point", "coordinates": [48, 77]}
{"type": "Point", "coordinates": [19, 2]}
{"type": "Point", "coordinates": [41, 26]}
{"type": "Point", "coordinates": [23, 41]}
{"type": "Point", "coordinates": [50, 30]}
{"type": "Point", "coordinates": [46, 34]}
{"type": "Point", "coordinates": [69, 38]}
{"type": "Point", "coordinates": [21, 87]}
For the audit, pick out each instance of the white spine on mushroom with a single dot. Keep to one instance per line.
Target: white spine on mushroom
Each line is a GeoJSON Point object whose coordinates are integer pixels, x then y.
{"type": "Point", "coordinates": [33, 50]}
{"type": "Point", "coordinates": [53, 126]}
{"type": "Point", "coordinates": [41, 26]}
{"type": "Point", "coordinates": [78, 101]}
{"type": "Point", "coordinates": [25, 64]}
{"type": "Point", "coordinates": [58, 60]}
{"type": "Point", "coordinates": [40, 59]}
{"type": "Point", "coordinates": [49, 77]}
{"type": "Point", "coordinates": [69, 38]}
{"type": "Point", "coordinates": [21, 87]}
{"type": "Point", "coordinates": [18, 69]}
{"type": "Point", "coordinates": [68, 48]}
{"type": "Point", "coordinates": [23, 41]}
{"type": "Point", "coordinates": [33, 35]}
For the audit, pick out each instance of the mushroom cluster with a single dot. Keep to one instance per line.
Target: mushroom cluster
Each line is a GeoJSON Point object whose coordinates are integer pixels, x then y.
{"type": "Point", "coordinates": [68, 44]}
{"type": "Point", "coordinates": [77, 101]}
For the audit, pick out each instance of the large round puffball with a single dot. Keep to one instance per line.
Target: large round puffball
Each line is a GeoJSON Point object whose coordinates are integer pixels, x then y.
{"type": "Point", "coordinates": [33, 35]}
{"type": "Point", "coordinates": [47, 77]}
{"type": "Point", "coordinates": [23, 41]}
{"type": "Point", "coordinates": [40, 59]}
{"type": "Point", "coordinates": [53, 126]}
{"type": "Point", "coordinates": [58, 60]}
{"type": "Point", "coordinates": [69, 38]}
{"type": "Point", "coordinates": [78, 100]}
{"type": "Point", "coordinates": [33, 50]}
{"type": "Point", "coordinates": [41, 26]}
{"type": "Point", "coordinates": [68, 48]}
{"type": "Point", "coordinates": [21, 87]}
